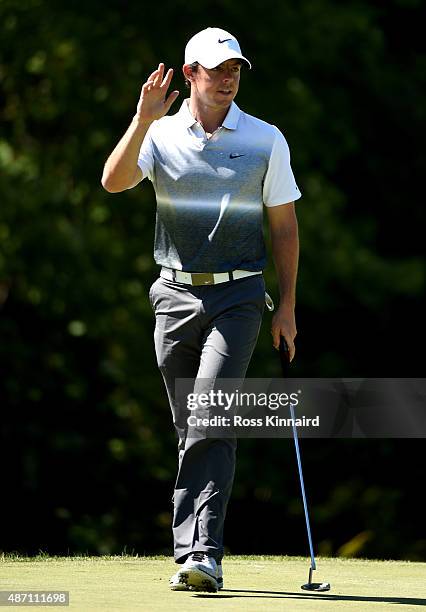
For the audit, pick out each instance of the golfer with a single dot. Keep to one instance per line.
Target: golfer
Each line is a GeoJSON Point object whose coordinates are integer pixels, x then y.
{"type": "Point", "coordinates": [214, 168]}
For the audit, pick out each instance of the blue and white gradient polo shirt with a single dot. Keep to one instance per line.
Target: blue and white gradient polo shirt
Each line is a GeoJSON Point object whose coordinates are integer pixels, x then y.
{"type": "Point", "coordinates": [211, 191]}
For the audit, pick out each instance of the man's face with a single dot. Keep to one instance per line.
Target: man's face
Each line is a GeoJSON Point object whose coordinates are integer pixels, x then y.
{"type": "Point", "coordinates": [217, 87]}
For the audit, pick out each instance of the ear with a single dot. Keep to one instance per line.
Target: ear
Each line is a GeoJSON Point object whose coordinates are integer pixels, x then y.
{"type": "Point", "coordinates": [187, 72]}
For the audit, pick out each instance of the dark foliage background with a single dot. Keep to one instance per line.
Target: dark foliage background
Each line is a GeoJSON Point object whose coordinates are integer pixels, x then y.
{"type": "Point", "coordinates": [88, 452]}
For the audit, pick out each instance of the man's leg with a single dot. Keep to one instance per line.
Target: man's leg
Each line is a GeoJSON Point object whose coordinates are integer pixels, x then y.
{"type": "Point", "coordinates": [231, 316]}
{"type": "Point", "coordinates": [177, 339]}
{"type": "Point", "coordinates": [178, 343]}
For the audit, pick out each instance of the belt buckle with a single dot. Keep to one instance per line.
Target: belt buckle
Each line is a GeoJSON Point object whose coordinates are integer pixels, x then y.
{"type": "Point", "coordinates": [202, 278]}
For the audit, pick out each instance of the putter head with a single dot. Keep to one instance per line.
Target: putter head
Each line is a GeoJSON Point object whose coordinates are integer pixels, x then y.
{"type": "Point", "coordinates": [316, 586]}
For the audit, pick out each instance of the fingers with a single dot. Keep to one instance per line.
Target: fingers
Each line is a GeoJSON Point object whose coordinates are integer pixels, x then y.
{"type": "Point", "coordinates": [276, 336]}
{"type": "Point", "coordinates": [290, 346]}
{"type": "Point", "coordinates": [150, 80]}
{"type": "Point", "coordinates": [159, 75]}
{"type": "Point", "coordinates": [170, 100]}
{"type": "Point", "coordinates": [167, 79]}
{"type": "Point", "coordinates": [156, 80]}
{"type": "Point", "coordinates": [152, 75]}
{"type": "Point", "coordinates": [291, 350]}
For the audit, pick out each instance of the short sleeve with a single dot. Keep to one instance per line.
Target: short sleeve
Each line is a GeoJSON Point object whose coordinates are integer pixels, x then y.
{"type": "Point", "coordinates": [146, 157]}
{"type": "Point", "coordinates": [279, 186]}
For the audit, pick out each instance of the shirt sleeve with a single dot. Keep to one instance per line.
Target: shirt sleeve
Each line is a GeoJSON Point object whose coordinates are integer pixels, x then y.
{"type": "Point", "coordinates": [279, 186]}
{"type": "Point", "coordinates": [146, 156]}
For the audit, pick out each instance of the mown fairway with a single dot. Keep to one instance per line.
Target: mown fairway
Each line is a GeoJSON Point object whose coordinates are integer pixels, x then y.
{"type": "Point", "coordinates": [251, 583]}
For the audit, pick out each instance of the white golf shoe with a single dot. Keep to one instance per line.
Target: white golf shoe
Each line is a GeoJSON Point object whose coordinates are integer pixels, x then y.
{"type": "Point", "coordinates": [199, 573]}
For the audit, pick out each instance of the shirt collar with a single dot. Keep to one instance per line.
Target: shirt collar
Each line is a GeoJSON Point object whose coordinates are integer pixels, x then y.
{"type": "Point", "coordinates": [230, 122]}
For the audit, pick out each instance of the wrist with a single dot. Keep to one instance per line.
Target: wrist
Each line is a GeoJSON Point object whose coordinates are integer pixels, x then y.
{"type": "Point", "coordinates": [287, 305]}
{"type": "Point", "coordinates": [141, 122]}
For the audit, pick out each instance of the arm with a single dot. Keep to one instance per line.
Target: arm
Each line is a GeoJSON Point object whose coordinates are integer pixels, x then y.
{"type": "Point", "coordinates": [121, 170]}
{"type": "Point", "coordinates": [285, 252]}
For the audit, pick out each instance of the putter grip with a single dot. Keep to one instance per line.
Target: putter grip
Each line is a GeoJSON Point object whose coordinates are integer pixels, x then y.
{"type": "Point", "coordinates": [284, 357]}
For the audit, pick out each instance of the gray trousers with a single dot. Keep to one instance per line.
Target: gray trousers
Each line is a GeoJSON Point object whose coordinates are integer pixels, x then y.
{"type": "Point", "coordinates": [205, 332]}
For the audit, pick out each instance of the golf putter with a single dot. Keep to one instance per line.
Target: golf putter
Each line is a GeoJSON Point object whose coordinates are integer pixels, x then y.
{"type": "Point", "coordinates": [309, 586]}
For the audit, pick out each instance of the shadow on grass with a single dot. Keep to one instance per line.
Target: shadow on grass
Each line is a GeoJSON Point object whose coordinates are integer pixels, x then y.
{"type": "Point", "coordinates": [407, 601]}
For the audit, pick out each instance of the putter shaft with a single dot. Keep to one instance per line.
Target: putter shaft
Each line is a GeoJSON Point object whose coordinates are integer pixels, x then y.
{"type": "Point", "coordinates": [302, 486]}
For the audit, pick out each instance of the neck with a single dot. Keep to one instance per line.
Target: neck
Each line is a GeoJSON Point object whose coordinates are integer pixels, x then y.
{"type": "Point", "coordinates": [211, 118]}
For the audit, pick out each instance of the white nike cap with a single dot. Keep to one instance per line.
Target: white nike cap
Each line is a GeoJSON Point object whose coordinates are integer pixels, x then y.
{"type": "Point", "coordinates": [211, 47]}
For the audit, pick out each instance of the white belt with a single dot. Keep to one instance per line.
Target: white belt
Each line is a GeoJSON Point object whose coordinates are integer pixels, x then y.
{"type": "Point", "coordinates": [204, 278]}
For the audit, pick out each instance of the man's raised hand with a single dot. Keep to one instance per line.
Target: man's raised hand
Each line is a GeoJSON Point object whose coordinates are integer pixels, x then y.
{"type": "Point", "coordinates": [153, 103]}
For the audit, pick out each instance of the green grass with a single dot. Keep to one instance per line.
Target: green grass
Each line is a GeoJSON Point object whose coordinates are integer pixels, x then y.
{"type": "Point", "coordinates": [254, 583]}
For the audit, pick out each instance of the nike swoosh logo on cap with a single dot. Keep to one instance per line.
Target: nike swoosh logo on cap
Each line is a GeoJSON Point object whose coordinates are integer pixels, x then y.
{"type": "Point", "coordinates": [224, 40]}
{"type": "Point", "coordinates": [234, 155]}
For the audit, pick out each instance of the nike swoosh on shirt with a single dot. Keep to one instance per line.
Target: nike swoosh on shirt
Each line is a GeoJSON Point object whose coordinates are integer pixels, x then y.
{"type": "Point", "coordinates": [224, 40]}
{"type": "Point", "coordinates": [234, 155]}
